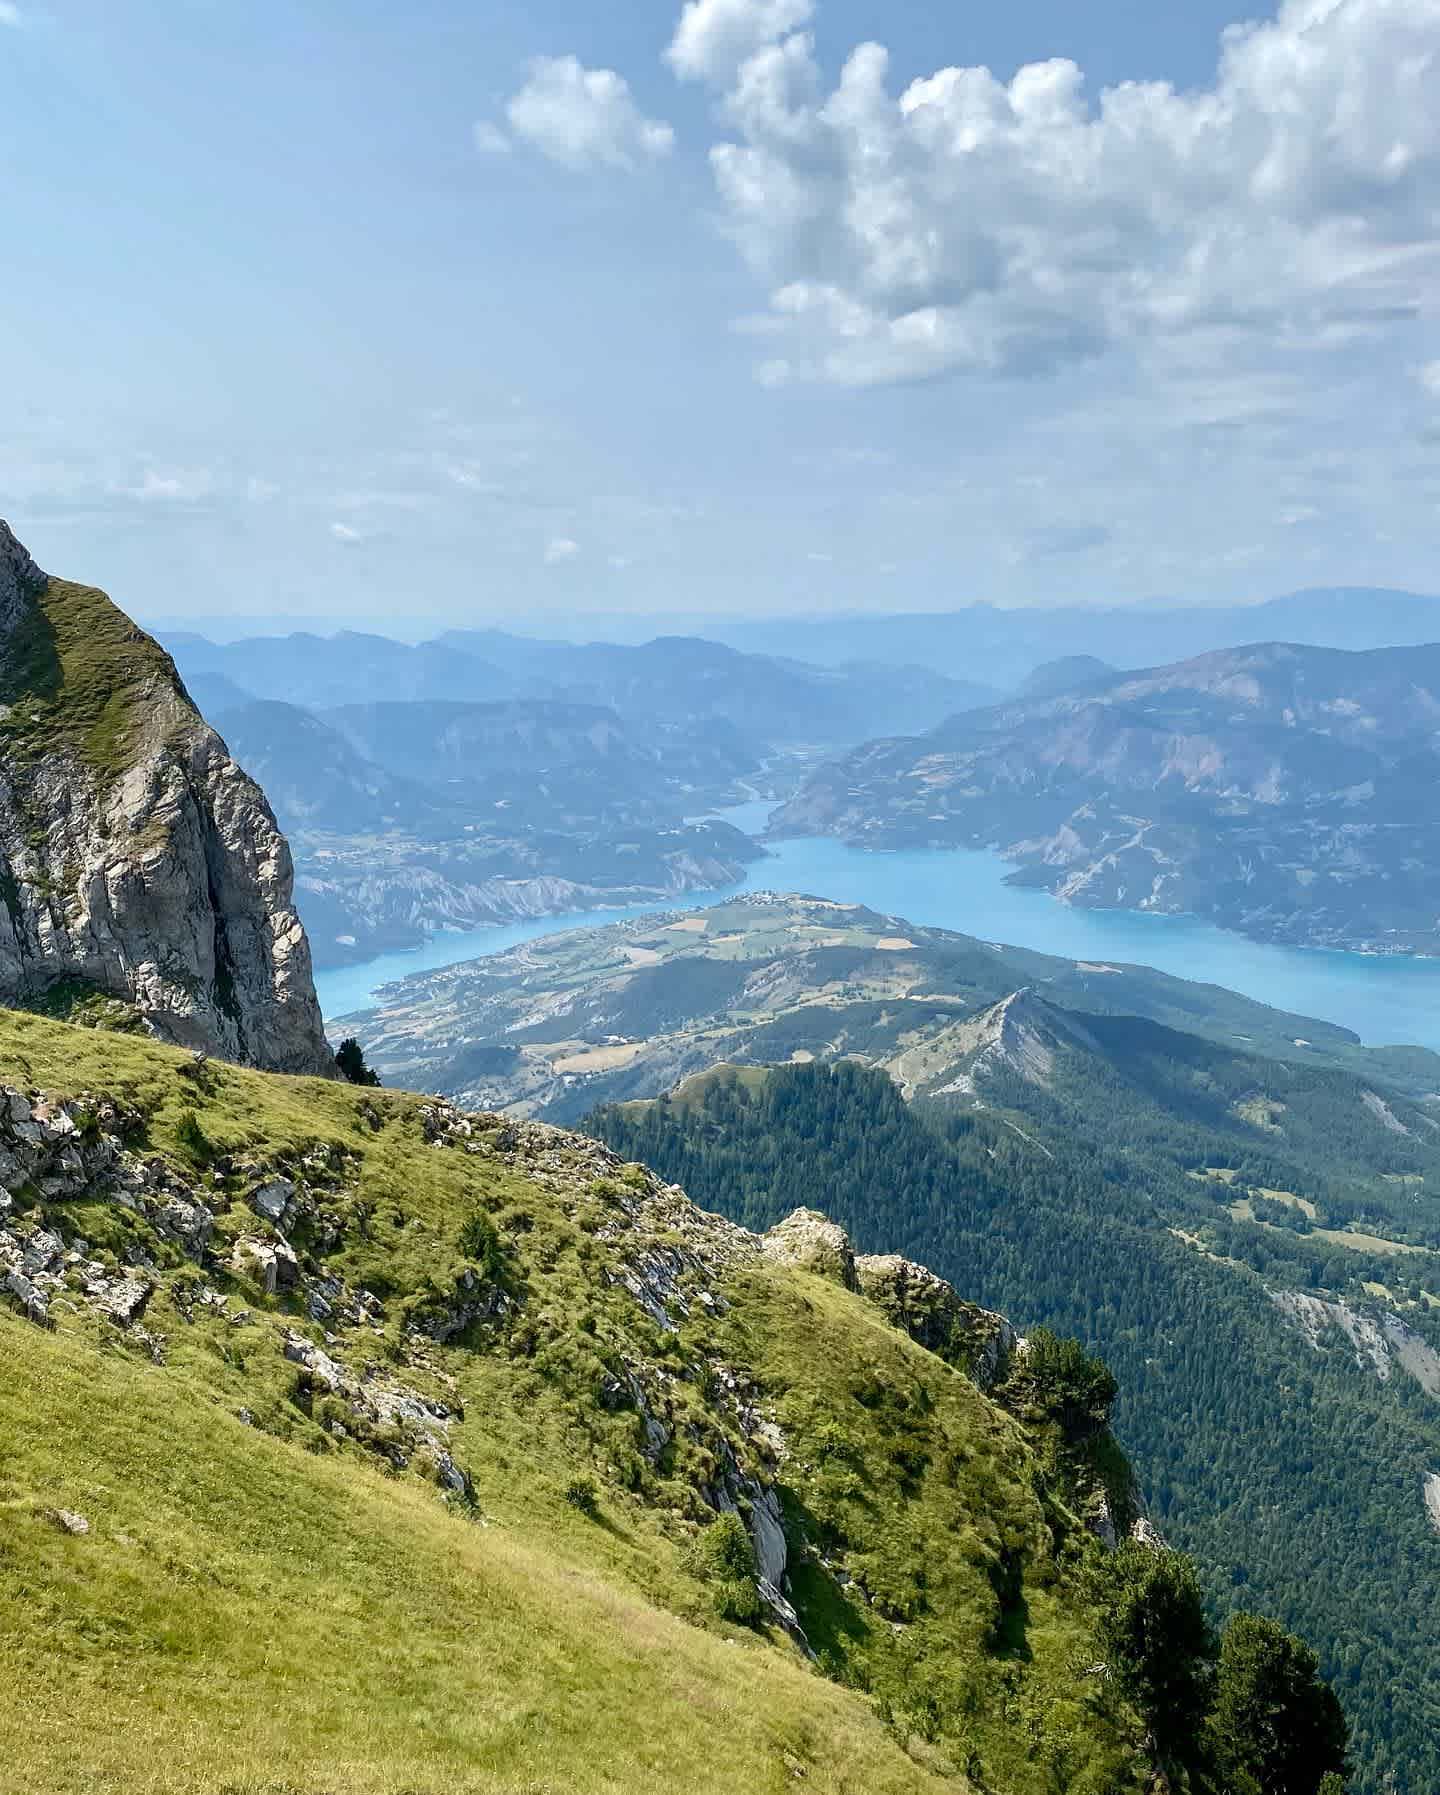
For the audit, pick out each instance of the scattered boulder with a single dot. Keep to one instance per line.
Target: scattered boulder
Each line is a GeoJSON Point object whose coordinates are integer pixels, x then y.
{"type": "Point", "coordinates": [122, 1299]}
{"type": "Point", "coordinates": [271, 1263]}
{"type": "Point", "coordinates": [767, 1531]}
{"type": "Point", "coordinates": [319, 1364]}
{"type": "Point", "coordinates": [273, 1200]}
{"type": "Point", "coordinates": [472, 1299]}
{"type": "Point", "coordinates": [187, 1222]}
{"type": "Point", "coordinates": [32, 1303]}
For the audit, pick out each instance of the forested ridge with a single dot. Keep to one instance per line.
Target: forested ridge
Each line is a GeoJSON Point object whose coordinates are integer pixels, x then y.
{"type": "Point", "coordinates": [1292, 1475]}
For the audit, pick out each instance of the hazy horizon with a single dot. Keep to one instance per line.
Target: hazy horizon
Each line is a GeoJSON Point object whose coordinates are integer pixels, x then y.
{"type": "Point", "coordinates": [644, 626]}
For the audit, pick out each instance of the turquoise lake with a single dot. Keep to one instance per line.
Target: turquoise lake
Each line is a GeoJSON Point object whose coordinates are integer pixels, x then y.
{"type": "Point", "coordinates": [1386, 1001]}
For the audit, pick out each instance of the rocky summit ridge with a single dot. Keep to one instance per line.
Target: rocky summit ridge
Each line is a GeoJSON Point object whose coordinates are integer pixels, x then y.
{"type": "Point", "coordinates": [139, 865]}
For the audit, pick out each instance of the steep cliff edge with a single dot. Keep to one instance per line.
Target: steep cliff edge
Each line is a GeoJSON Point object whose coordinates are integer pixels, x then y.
{"type": "Point", "coordinates": [137, 861]}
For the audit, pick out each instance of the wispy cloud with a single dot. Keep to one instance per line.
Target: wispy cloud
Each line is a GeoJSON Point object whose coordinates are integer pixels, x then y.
{"type": "Point", "coordinates": [10, 14]}
{"type": "Point", "coordinates": [560, 549]}
{"type": "Point", "coordinates": [581, 118]}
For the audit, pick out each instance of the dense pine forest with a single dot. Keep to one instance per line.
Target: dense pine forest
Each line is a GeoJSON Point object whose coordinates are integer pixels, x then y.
{"type": "Point", "coordinates": [1292, 1475]}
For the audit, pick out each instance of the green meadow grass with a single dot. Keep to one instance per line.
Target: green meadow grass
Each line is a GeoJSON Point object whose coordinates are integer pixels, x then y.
{"type": "Point", "coordinates": [263, 1608]}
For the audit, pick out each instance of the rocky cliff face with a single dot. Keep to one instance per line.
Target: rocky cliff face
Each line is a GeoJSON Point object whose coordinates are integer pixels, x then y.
{"type": "Point", "coordinates": [137, 861]}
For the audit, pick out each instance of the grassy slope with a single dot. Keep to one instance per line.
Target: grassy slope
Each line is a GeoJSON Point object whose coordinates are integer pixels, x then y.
{"type": "Point", "coordinates": [265, 1608]}
{"type": "Point", "coordinates": [79, 674]}
{"type": "Point", "coordinates": [247, 1613]}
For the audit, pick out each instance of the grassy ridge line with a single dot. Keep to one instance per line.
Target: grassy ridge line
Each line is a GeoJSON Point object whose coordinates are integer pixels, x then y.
{"type": "Point", "coordinates": [270, 1607]}
{"type": "Point", "coordinates": [1294, 1475]}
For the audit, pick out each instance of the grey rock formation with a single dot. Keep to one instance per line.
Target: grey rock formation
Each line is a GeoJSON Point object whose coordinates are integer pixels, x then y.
{"type": "Point", "coordinates": [1380, 1342]}
{"type": "Point", "coordinates": [137, 861]}
{"type": "Point", "coordinates": [974, 1340]}
{"type": "Point", "coordinates": [18, 578]}
{"type": "Point", "coordinates": [812, 1242]}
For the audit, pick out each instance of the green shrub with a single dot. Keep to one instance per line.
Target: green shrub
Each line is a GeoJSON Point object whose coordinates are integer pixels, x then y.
{"type": "Point", "coordinates": [479, 1241]}
{"type": "Point", "coordinates": [192, 1139]}
{"type": "Point", "coordinates": [1276, 1726]}
{"type": "Point", "coordinates": [583, 1493]}
{"type": "Point", "coordinates": [350, 1059]}
{"type": "Point", "coordinates": [1068, 1384]}
{"type": "Point", "coordinates": [1157, 1640]}
{"type": "Point", "coordinates": [724, 1558]}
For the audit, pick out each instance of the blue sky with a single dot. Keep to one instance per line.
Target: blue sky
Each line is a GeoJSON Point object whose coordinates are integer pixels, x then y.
{"type": "Point", "coordinates": [354, 313]}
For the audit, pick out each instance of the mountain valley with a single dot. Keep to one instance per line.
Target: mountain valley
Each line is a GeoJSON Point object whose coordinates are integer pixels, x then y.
{"type": "Point", "coordinates": [1281, 791]}
{"type": "Point", "coordinates": [503, 777]}
{"type": "Point", "coordinates": [1239, 1207]}
{"type": "Point", "coordinates": [487, 1421]}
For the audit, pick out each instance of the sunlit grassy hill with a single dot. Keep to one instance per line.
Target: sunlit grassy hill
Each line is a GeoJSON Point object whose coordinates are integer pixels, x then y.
{"type": "Point", "coordinates": [349, 1443]}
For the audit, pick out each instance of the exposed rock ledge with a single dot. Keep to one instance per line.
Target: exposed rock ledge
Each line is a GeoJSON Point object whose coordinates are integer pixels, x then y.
{"type": "Point", "coordinates": [911, 1297]}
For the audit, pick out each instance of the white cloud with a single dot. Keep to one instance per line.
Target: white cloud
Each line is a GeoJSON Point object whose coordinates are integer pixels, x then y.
{"type": "Point", "coordinates": [9, 13]}
{"type": "Point", "coordinates": [181, 485]}
{"type": "Point", "coordinates": [584, 118]}
{"type": "Point", "coordinates": [490, 140]}
{"type": "Point", "coordinates": [714, 37]}
{"type": "Point", "coordinates": [1429, 378]}
{"type": "Point", "coordinates": [344, 533]}
{"type": "Point", "coordinates": [970, 224]}
{"type": "Point", "coordinates": [560, 549]}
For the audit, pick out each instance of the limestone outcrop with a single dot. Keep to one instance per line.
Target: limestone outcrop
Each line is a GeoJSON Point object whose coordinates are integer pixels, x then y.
{"type": "Point", "coordinates": [916, 1300]}
{"type": "Point", "coordinates": [138, 862]}
{"type": "Point", "coordinates": [812, 1242]}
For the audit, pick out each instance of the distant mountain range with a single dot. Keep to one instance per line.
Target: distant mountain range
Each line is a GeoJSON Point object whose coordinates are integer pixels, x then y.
{"type": "Point", "coordinates": [1000, 647]}
{"type": "Point", "coordinates": [1282, 789]}
{"type": "Point", "coordinates": [677, 679]}
{"type": "Point", "coordinates": [414, 817]}
{"type": "Point", "coordinates": [1288, 792]}
{"type": "Point", "coordinates": [485, 776]}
